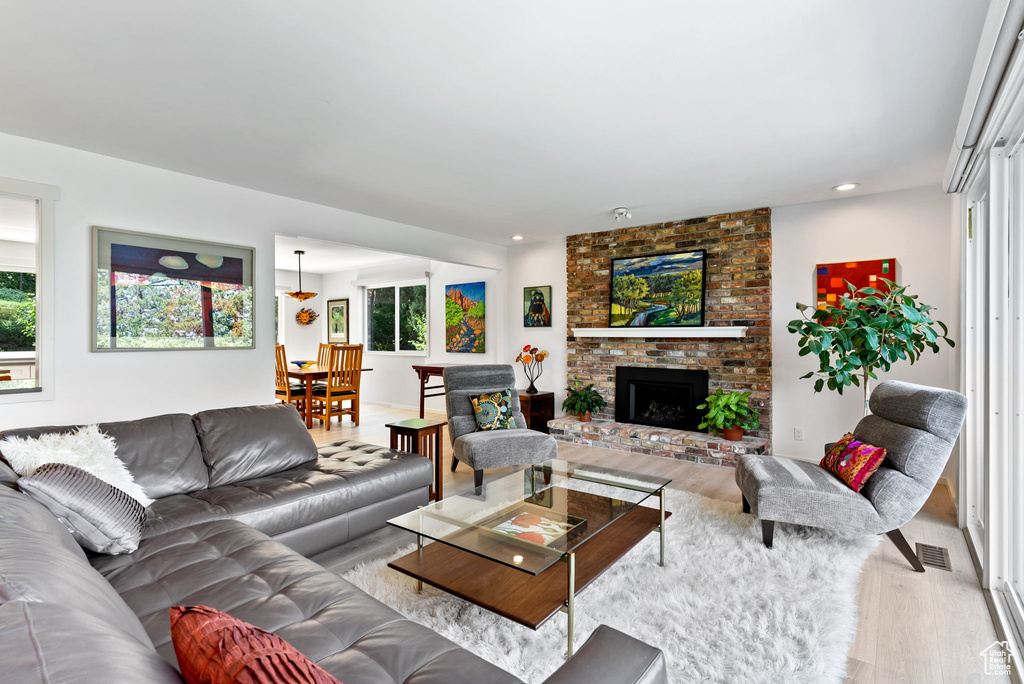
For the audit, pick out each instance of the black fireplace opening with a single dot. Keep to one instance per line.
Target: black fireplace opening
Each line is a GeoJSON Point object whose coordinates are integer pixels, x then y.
{"type": "Point", "coordinates": [660, 397]}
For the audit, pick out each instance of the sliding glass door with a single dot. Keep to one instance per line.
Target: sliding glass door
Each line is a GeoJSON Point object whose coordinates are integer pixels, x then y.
{"type": "Point", "coordinates": [992, 442]}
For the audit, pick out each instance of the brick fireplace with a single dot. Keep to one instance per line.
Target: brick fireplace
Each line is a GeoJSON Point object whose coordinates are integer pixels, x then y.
{"type": "Point", "coordinates": [738, 293]}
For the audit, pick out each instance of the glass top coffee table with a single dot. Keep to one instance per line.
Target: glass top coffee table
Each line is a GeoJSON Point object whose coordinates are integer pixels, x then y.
{"type": "Point", "coordinates": [498, 545]}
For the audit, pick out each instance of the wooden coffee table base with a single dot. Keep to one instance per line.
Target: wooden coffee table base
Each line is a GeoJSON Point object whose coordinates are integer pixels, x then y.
{"type": "Point", "coordinates": [530, 600]}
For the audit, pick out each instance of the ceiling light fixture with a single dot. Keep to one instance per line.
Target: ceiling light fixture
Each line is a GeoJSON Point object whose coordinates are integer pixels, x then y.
{"type": "Point", "coordinates": [621, 213]}
{"type": "Point", "coordinates": [843, 187]}
{"type": "Point", "coordinates": [517, 237]}
{"type": "Point", "coordinates": [299, 294]}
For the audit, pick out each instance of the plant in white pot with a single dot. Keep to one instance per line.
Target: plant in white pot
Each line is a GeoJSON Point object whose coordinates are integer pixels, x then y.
{"type": "Point", "coordinates": [867, 331]}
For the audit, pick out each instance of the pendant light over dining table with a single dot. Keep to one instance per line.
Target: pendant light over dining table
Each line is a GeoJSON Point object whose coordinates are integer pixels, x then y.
{"type": "Point", "coordinates": [299, 294]}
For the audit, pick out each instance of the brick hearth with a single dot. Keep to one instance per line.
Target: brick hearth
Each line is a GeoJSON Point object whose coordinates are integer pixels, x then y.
{"type": "Point", "coordinates": [738, 293]}
{"type": "Point", "coordinates": [651, 441]}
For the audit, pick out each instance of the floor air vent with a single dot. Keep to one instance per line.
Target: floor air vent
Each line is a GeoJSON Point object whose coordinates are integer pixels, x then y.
{"type": "Point", "coordinates": [934, 556]}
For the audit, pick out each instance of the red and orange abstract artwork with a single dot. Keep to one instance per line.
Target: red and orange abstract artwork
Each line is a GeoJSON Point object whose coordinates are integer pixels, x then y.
{"type": "Point", "coordinates": [832, 278]}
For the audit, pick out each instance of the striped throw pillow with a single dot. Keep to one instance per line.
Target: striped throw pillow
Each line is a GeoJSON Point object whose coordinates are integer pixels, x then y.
{"type": "Point", "coordinates": [99, 516]}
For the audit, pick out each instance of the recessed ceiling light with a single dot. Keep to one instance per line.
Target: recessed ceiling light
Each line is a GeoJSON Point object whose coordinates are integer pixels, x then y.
{"type": "Point", "coordinates": [843, 187]}
{"type": "Point", "coordinates": [517, 237]}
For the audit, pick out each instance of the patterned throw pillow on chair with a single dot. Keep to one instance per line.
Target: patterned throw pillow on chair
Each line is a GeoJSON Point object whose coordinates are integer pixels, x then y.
{"type": "Point", "coordinates": [853, 461]}
{"type": "Point", "coordinates": [494, 411]}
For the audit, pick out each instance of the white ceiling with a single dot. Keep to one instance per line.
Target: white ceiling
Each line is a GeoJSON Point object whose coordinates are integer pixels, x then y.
{"type": "Point", "coordinates": [331, 257]}
{"type": "Point", "coordinates": [486, 119]}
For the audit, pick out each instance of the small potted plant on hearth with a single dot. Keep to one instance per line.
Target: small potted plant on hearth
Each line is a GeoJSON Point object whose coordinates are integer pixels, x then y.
{"type": "Point", "coordinates": [729, 413]}
{"type": "Point", "coordinates": [580, 401]}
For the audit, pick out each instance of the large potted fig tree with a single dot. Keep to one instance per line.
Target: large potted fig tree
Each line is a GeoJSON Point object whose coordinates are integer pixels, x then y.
{"type": "Point", "coordinates": [867, 331]}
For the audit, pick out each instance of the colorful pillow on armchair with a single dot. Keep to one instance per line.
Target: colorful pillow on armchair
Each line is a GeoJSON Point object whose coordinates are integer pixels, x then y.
{"type": "Point", "coordinates": [853, 461]}
{"type": "Point", "coordinates": [494, 411]}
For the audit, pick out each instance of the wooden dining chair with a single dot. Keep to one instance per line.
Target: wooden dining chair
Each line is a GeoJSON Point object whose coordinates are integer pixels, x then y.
{"type": "Point", "coordinates": [286, 391]}
{"type": "Point", "coordinates": [323, 360]}
{"type": "Point", "coordinates": [341, 385]}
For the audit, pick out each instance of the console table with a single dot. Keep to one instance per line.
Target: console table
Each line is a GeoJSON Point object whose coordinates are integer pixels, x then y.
{"type": "Point", "coordinates": [424, 373]}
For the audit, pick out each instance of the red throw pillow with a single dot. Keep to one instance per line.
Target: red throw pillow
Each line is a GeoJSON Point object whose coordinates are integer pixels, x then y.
{"type": "Point", "coordinates": [215, 648]}
{"type": "Point", "coordinates": [852, 461]}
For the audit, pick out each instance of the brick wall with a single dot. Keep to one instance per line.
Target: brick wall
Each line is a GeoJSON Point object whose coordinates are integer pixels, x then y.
{"type": "Point", "coordinates": [738, 292]}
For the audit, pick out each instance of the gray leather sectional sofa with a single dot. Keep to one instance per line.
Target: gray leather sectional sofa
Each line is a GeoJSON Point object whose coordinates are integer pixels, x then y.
{"type": "Point", "coordinates": [236, 488]}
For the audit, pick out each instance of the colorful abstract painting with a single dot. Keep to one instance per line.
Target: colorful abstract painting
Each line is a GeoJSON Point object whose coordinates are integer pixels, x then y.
{"type": "Point", "coordinates": [658, 290]}
{"type": "Point", "coordinates": [831, 279]}
{"type": "Point", "coordinates": [537, 306]}
{"type": "Point", "coordinates": [464, 317]}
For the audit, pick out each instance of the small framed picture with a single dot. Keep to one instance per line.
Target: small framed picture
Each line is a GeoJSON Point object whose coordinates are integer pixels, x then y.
{"type": "Point", "coordinates": [537, 306]}
{"type": "Point", "coordinates": [337, 321]}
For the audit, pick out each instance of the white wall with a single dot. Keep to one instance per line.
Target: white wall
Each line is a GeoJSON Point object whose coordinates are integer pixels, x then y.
{"type": "Point", "coordinates": [915, 227]}
{"type": "Point", "coordinates": [530, 265]}
{"type": "Point", "coordinates": [302, 342]}
{"type": "Point", "coordinates": [98, 190]}
{"type": "Point", "coordinates": [392, 381]}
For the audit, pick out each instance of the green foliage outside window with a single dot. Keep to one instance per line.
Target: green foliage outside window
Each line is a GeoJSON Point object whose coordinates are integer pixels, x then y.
{"type": "Point", "coordinates": [380, 303]}
{"type": "Point", "coordinates": [407, 317]}
{"type": "Point", "coordinates": [412, 318]}
{"type": "Point", "coordinates": [17, 311]}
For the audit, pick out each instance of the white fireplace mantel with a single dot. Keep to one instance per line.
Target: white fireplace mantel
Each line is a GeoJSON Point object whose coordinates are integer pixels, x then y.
{"type": "Point", "coordinates": [663, 332]}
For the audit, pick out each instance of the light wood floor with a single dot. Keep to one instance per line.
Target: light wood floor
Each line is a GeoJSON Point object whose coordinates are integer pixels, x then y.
{"type": "Point", "coordinates": [913, 627]}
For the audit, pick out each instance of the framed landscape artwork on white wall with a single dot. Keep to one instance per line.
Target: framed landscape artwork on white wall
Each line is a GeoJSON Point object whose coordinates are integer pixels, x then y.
{"type": "Point", "coordinates": [337, 321]}
{"type": "Point", "coordinates": [156, 292]}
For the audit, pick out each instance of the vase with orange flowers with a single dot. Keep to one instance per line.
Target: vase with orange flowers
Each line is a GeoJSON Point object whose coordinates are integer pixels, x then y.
{"type": "Point", "coordinates": [533, 365]}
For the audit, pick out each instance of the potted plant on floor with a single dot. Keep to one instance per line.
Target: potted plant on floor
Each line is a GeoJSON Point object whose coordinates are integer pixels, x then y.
{"type": "Point", "coordinates": [580, 401]}
{"type": "Point", "coordinates": [867, 331]}
{"type": "Point", "coordinates": [729, 413]}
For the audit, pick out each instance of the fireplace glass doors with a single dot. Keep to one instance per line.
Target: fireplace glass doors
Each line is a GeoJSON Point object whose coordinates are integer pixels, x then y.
{"type": "Point", "coordinates": [660, 397]}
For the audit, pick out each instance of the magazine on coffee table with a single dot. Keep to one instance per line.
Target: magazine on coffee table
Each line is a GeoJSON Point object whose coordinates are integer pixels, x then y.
{"type": "Point", "coordinates": [533, 525]}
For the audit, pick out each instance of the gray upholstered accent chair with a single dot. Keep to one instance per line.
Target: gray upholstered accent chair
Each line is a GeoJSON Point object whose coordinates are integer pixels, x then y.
{"type": "Point", "coordinates": [482, 449]}
{"type": "Point", "coordinates": [917, 425]}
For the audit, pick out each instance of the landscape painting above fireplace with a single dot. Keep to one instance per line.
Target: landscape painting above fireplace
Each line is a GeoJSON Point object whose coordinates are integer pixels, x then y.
{"type": "Point", "coordinates": [658, 290]}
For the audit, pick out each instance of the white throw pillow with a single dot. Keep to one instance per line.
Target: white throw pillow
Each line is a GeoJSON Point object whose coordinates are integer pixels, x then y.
{"type": "Point", "coordinates": [87, 448]}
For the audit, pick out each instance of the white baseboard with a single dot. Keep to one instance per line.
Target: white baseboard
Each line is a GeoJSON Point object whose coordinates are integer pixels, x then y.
{"type": "Point", "coordinates": [401, 406]}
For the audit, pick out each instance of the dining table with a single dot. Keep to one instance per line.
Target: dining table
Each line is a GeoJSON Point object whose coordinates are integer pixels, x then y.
{"type": "Point", "coordinates": [309, 376]}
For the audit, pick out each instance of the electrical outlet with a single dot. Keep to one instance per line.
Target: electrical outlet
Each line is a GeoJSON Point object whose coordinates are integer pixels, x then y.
{"type": "Point", "coordinates": [798, 434]}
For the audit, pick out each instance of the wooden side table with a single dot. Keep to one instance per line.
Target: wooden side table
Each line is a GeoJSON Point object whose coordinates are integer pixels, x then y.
{"type": "Point", "coordinates": [423, 437]}
{"type": "Point", "coordinates": [538, 409]}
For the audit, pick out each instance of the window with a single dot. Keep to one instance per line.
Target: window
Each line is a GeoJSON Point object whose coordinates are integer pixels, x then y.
{"type": "Point", "coordinates": [26, 331]}
{"type": "Point", "coordinates": [396, 313]}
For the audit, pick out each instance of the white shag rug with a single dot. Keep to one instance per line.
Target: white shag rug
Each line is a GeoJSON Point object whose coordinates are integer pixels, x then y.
{"type": "Point", "coordinates": [723, 609]}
